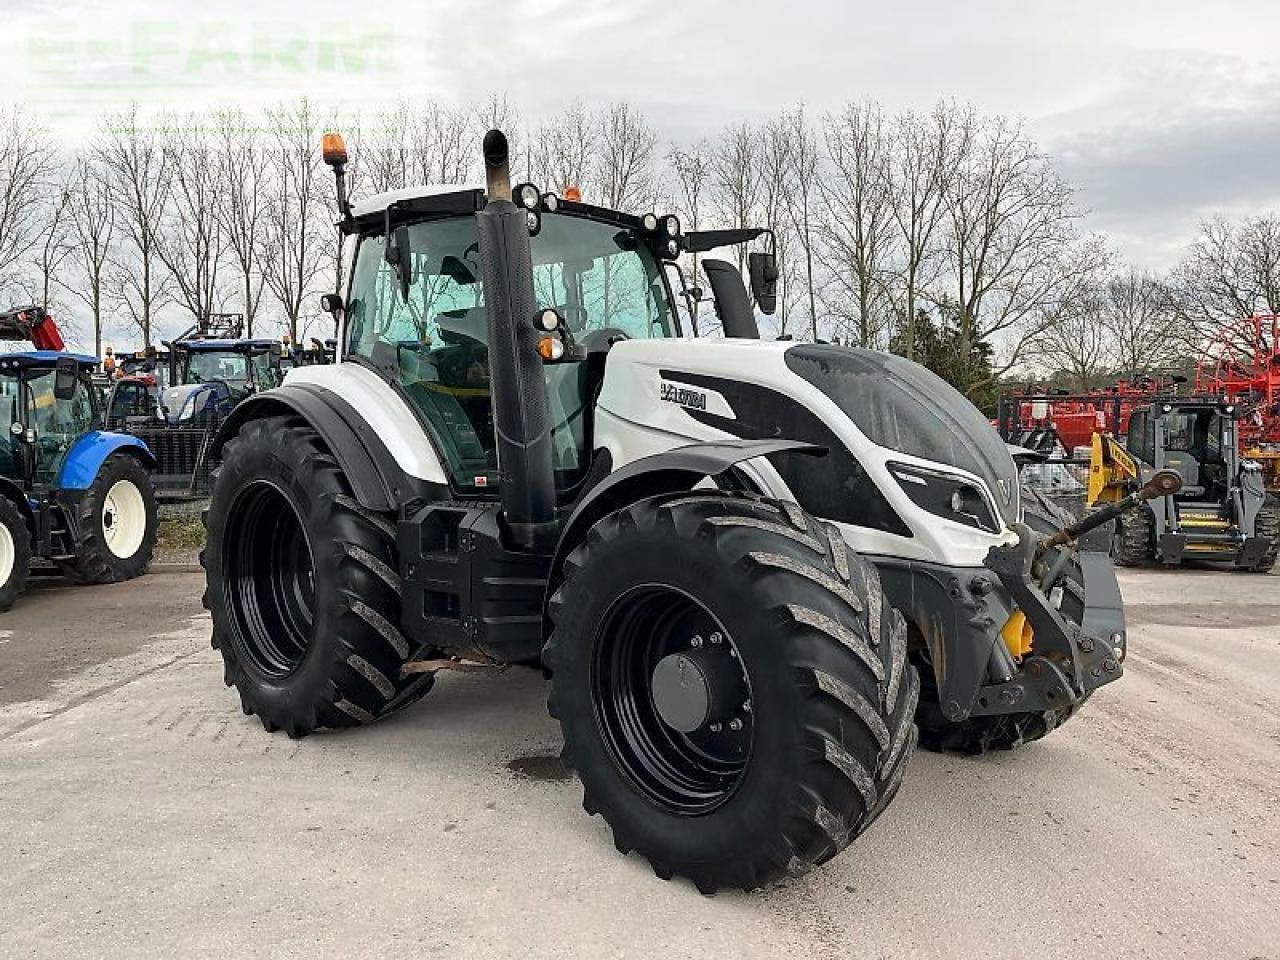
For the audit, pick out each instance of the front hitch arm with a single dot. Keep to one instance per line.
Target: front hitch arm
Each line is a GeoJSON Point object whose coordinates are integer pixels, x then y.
{"type": "Point", "coordinates": [1066, 663]}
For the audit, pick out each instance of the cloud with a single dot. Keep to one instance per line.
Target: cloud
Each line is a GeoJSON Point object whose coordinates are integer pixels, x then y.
{"type": "Point", "coordinates": [1186, 137]}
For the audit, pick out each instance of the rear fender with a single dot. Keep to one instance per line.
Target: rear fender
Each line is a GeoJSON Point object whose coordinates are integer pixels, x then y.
{"type": "Point", "coordinates": [86, 456]}
{"type": "Point", "coordinates": [376, 478]}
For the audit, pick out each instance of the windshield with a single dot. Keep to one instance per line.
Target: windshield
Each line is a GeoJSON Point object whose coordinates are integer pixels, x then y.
{"type": "Point", "coordinates": [207, 365]}
{"type": "Point", "coordinates": [436, 340]}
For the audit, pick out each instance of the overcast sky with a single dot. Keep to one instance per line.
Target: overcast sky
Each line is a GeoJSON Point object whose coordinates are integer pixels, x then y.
{"type": "Point", "coordinates": [1160, 112]}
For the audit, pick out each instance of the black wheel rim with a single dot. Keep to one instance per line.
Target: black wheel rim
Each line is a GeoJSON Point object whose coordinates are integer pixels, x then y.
{"type": "Point", "coordinates": [270, 579]}
{"type": "Point", "coordinates": [688, 773]}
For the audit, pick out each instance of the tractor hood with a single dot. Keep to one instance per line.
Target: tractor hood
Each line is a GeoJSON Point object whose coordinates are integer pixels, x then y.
{"type": "Point", "coordinates": [902, 406]}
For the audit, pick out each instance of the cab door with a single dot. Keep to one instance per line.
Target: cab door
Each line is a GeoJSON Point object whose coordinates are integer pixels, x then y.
{"type": "Point", "coordinates": [12, 461]}
{"type": "Point", "coordinates": [57, 423]}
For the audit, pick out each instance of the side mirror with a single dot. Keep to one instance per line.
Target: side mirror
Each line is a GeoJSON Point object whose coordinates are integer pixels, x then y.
{"type": "Point", "coordinates": [65, 377]}
{"type": "Point", "coordinates": [331, 302]}
{"type": "Point", "coordinates": [763, 268]}
{"type": "Point", "coordinates": [400, 257]}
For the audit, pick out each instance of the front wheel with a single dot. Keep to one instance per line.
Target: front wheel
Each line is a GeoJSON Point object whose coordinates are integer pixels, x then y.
{"type": "Point", "coordinates": [1268, 527]}
{"type": "Point", "coordinates": [116, 522]}
{"type": "Point", "coordinates": [731, 684]}
{"type": "Point", "coordinates": [15, 552]}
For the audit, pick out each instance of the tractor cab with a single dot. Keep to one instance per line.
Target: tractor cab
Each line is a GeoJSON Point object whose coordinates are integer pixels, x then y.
{"type": "Point", "coordinates": [416, 311]}
{"type": "Point", "coordinates": [46, 404]}
{"type": "Point", "coordinates": [209, 377]}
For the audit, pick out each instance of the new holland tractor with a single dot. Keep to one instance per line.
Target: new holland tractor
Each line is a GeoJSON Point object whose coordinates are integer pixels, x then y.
{"type": "Point", "coordinates": [736, 560]}
{"type": "Point", "coordinates": [70, 494]}
{"type": "Point", "coordinates": [1222, 513]}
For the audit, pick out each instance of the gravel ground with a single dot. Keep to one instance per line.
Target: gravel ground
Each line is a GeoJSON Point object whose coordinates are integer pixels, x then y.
{"type": "Point", "coordinates": [149, 818]}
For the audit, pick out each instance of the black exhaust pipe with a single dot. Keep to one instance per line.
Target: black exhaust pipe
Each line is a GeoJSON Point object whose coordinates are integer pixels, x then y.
{"type": "Point", "coordinates": [520, 415]}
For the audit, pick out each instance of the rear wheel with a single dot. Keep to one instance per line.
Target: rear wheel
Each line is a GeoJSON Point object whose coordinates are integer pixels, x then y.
{"type": "Point", "coordinates": [303, 586]}
{"type": "Point", "coordinates": [731, 684]}
{"type": "Point", "coordinates": [1268, 526]}
{"type": "Point", "coordinates": [116, 524]}
{"type": "Point", "coordinates": [15, 552]}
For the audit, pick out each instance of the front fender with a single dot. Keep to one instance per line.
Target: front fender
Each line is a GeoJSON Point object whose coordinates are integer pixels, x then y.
{"type": "Point", "coordinates": [85, 458]}
{"type": "Point", "coordinates": [680, 469]}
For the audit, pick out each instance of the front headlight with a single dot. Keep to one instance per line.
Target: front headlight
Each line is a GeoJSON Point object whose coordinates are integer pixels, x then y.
{"type": "Point", "coordinates": [946, 495]}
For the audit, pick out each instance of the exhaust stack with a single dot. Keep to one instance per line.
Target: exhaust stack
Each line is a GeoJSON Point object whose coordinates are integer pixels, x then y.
{"type": "Point", "coordinates": [520, 415]}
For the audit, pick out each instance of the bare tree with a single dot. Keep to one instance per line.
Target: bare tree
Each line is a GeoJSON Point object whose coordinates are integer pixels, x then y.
{"type": "Point", "coordinates": [192, 243]}
{"type": "Point", "coordinates": [1079, 343]}
{"type": "Point", "coordinates": [1145, 331]}
{"type": "Point", "coordinates": [444, 144]}
{"type": "Point", "coordinates": [1230, 271]}
{"type": "Point", "coordinates": [240, 173]}
{"type": "Point", "coordinates": [294, 252]}
{"type": "Point", "coordinates": [93, 224]}
{"type": "Point", "coordinates": [386, 159]}
{"type": "Point", "coordinates": [736, 178]}
{"type": "Point", "coordinates": [692, 174]}
{"type": "Point", "coordinates": [856, 220]}
{"type": "Point", "coordinates": [55, 244]}
{"type": "Point", "coordinates": [918, 175]}
{"type": "Point", "coordinates": [500, 113]}
{"type": "Point", "coordinates": [799, 202]}
{"type": "Point", "coordinates": [625, 164]}
{"type": "Point", "coordinates": [140, 186]}
{"type": "Point", "coordinates": [26, 174]}
{"type": "Point", "coordinates": [1014, 264]}
{"type": "Point", "coordinates": [777, 179]}
{"type": "Point", "coordinates": [563, 151]}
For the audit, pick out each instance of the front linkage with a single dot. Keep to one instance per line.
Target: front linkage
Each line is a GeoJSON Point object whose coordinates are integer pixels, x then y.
{"type": "Point", "coordinates": [1069, 661]}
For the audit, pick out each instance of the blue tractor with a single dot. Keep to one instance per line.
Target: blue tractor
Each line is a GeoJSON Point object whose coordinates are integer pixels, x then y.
{"type": "Point", "coordinates": [71, 495]}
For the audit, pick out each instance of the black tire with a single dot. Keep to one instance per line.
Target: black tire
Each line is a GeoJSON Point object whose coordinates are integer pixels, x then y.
{"type": "Point", "coordinates": [96, 560]}
{"type": "Point", "coordinates": [15, 552]}
{"type": "Point", "coordinates": [1042, 514]}
{"type": "Point", "coordinates": [822, 749]}
{"type": "Point", "coordinates": [303, 585]}
{"type": "Point", "coordinates": [1134, 542]}
{"type": "Point", "coordinates": [1268, 525]}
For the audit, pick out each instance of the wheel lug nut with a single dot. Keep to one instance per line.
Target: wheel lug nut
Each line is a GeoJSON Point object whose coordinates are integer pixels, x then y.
{"type": "Point", "coordinates": [696, 641]}
{"type": "Point", "coordinates": [714, 728]}
{"type": "Point", "coordinates": [746, 706]}
{"type": "Point", "coordinates": [716, 638]}
{"type": "Point", "coordinates": [735, 724]}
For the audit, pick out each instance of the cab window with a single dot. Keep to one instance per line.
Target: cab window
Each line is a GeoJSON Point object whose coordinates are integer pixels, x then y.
{"type": "Point", "coordinates": [57, 423]}
{"type": "Point", "coordinates": [435, 341]}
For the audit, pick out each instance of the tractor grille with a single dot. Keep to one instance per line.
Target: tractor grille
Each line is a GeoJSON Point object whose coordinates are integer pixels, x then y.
{"type": "Point", "coordinates": [184, 468]}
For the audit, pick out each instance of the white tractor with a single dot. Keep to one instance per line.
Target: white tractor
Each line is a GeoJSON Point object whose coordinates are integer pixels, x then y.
{"type": "Point", "coordinates": [748, 568]}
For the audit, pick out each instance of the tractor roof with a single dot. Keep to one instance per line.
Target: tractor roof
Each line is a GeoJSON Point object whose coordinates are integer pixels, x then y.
{"type": "Point", "coordinates": [42, 358]}
{"type": "Point", "coordinates": [380, 201]}
{"type": "Point", "coordinates": [197, 345]}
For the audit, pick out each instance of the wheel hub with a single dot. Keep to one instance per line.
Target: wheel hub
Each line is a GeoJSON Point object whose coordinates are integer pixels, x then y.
{"type": "Point", "coordinates": [694, 688]}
